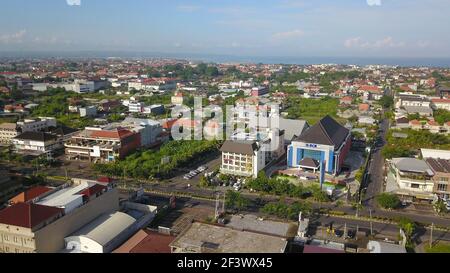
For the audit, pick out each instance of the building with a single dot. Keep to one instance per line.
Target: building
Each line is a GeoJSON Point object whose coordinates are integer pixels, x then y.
{"type": "Point", "coordinates": [242, 158]}
{"type": "Point", "coordinates": [414, 178]}
{"type": "Point", "coordinates": [423, 111]}
{"type": "Point", "coordinates": [36, 125]}
{"type": "Point", "coordinates": [9, 185]}
{"type": "Point", "coordinates": [8, 131]}
{"type": "Point", "coordinates": [102, 235]}
{"type": "Point", "coordinates": [207, 238]}
{"type": "Point", "coordinates": [441, 178]}
{"type": "Point", "coordinates": [440, 104]}
{"type": "Point", "coordinates": [326, 142]}
{"type": "Point", "coordinates": [259, 91]}
{"type": "Point", "coordinates": [136, 107]}
{"type": "Point", "coordinates": [412, 100]}
{"type": "Point", "coordinates": [177, 99]}
{"type": "Point", "coordinates": [147, 241]}
{"type": "Point", "coordinates": [101, 145]}
{"type": "Point", "coordinates": [292, 128]}
{"type": "Point", "coordinates": [149, 130]}
{"type": "Point", "coordinates": [36, 144]}
{"type": "Point", "coordinates": [29, 195]}
{"type": "Point", "coordinates": [36, 228]}
{"type": "Point", "coordinates": [383, 247]}
{"type": "Point", "coordinates": [89, 111]}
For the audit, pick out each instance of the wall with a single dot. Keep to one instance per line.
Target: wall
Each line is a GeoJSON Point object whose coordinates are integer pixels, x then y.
{"type": "Point", "coordinates": [50, 239]}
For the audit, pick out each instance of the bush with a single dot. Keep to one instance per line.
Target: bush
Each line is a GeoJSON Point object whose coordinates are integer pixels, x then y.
{"type": "Point", "coordinates": [388, 201]}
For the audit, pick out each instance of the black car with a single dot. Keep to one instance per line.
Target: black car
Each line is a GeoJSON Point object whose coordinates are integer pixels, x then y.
{"type": "Point", "coordinates": [351, 234]}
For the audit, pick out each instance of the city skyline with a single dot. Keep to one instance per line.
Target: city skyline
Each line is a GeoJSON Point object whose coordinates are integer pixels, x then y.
{"type": "Point", "coordinates": [357, 28]}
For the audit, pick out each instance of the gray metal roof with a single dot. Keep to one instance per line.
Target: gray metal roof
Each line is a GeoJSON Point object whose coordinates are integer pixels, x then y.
{"type": "Point", "coordinates": [293, 128]}
{"type": "Point", "coordinates": [239, 147]}
{"type": "Point", "coordinates": [326, 132]}
{"type": "Point", "coordinates": [106, 227]}
{"type": "Point", "coordinates": [412, 165]}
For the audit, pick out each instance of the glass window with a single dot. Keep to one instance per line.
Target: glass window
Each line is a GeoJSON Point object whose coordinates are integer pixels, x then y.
{"type": "Point", "coordinates": [442, 187]}
{"type": "Point", "coordinates": [316, 155]}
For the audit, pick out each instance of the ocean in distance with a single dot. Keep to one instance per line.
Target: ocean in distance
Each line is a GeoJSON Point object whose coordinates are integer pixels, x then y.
{"type": "Point", "coordinates": [300, 60]}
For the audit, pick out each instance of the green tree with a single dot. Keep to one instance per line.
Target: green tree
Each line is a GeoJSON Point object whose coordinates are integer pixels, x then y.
{"type": "Point", "coordinates": [388, 201]}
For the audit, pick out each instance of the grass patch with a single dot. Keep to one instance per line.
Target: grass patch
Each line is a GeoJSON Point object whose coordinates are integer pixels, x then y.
{"type": "Point", "coordinates": [438, 248]}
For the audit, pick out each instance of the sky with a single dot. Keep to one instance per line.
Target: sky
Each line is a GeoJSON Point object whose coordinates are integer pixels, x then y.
{"type": "Point", "coordinates": [366, 28]}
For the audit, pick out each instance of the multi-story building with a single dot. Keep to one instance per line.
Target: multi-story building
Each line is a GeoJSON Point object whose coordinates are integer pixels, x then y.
{"type": "Point", "coordinates": [414, 178]}
{"type": "Point", "coordinates": [242, 158]}
{"type": "Point", "coordinates": [8, 131]}
{"type": "Point", "coordinates": [40, 225]}
{"type": "Point", "coordinates": [441, 178]}
{"type": "Point", "coordinates": [327, 142]}
{"type": "Point", "coordinates": [89, 111]}
{"type": "Point", "coordinates": [101, 145]}
{"type": "Point", "coordinates": [440, 104]}
{"type": "Point", "coordinates": [136, 107]}
{"type": "Point", "coordinates": [177, 99]}
{"type": "Point", "coordinates": [36, 125]}
{"type": "Point", "coordinates": [259, 91]}
{"type": "Point", "coordinates": [36, 143]}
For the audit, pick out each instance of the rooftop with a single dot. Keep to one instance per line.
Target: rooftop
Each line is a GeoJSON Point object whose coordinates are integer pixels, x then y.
{"type": "Point", "coordinates": [412, 165]}
{"type": "Point", "coordinates": [28, 215]}
{"type": "Point", "coordinates": [326, 132]}
{"type": "Point", "coordinates": [106, 227]}
{"type": "Point", "coordinates": [252, 223]}
{"type": "Point", "coordinates": [239, 147]}
{"type": "Point", "coordinates": [208, 238]}
{"type": "Point", "coordinates": [145, 241]}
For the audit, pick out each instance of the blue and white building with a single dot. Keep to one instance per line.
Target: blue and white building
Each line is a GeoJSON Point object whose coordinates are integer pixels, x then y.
{"type": "Point", "coordinates": [327, 142]}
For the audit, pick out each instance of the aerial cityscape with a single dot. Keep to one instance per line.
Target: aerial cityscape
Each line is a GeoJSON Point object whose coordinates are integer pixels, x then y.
{"type": "Point", "coordinates": [234, 140]}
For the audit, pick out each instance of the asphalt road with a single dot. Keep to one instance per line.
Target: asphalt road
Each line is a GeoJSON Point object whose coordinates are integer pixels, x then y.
{"type": "Point", "coordinates": [375, 181]}
{"type": "Point", "coordinates": [380, 229]}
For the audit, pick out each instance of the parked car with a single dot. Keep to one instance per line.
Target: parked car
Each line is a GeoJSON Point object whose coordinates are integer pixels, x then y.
{"type": "Point", "coordinates": [351, 234]}
{"type": "Point", "coordinates": [338, 233]}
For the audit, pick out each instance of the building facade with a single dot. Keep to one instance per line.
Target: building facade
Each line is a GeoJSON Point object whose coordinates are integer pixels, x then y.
{"type": "Point", "coordinates": [326, 142]}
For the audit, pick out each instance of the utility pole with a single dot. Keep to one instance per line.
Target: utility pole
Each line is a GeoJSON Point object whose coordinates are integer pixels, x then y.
{"type": "Point", "coordinates": [371, 226]}
{"type": "Point", "coordinates": [345, 231]}
{"type": "Point", "coordinates": [431, 235]}
{"type": "Point", "coordinates": [223, 204]}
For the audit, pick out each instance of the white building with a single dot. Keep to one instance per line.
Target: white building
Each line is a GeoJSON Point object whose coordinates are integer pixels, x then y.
{"type": "Point", "coordinates": [136, 107]}
{"type": "Point", "coordinates": [36, 125]}
{"type": "Point", "coordinates": [89, 111]}
{"type": "Point", "coordinates": [242, 158]}
{"type": "Point", "coordinates": [102, 235]}
{"type": "Point", "coordinates": [414, 178]}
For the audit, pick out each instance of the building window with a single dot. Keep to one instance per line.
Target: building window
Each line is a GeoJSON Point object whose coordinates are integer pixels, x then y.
{"type": "Point", "coordinates": [316, 155]}
{"type": "Point", "coordinates": [444, 179]}
{"type": "Point", "coordinates": [415, 186]}
{"type": "Point", "coordinates": [442, 187]}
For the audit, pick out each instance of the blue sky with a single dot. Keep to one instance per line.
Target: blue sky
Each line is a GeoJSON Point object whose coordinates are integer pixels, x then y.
{"type": "Point", "coordinates": [372, 28]}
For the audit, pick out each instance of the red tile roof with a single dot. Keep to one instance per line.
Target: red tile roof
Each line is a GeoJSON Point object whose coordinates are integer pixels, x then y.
{"type": "Point", "coordinates": [104, 179]}
{"type": "Point", "coordinates": [146, 241]}
{"type": "Point", "coordinates": [116, 134]}
{"type": "Point", "coordinates": [97, 188]}
{"type": "Point", "coordinates": [370, 88]}
{"type": "Point", "coordinates": [30, 194]}
{"type": "Point", "coordinates": [28, 215]}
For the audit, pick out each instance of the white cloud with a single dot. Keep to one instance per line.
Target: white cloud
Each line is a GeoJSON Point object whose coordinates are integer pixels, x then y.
{"type": "Point", "coordinates": [374, 3]}
{"type": "Point", "coordinates": [387, 42]}
{"type": "Point", "coordinates": [288, 34]}
{"type": "Point", "coordinates": [13, 38]}
{"type": "Point", "coordinates": [73, 2]}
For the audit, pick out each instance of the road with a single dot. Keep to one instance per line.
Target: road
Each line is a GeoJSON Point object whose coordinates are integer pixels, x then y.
{"type": "Point", "coordinates": [379, 229]}
{"type": "Point", "coordinates": [375, 179]}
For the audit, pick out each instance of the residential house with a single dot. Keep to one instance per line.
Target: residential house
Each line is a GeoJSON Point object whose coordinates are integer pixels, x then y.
{"type": "Point", "coordinates": [414, 178]}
